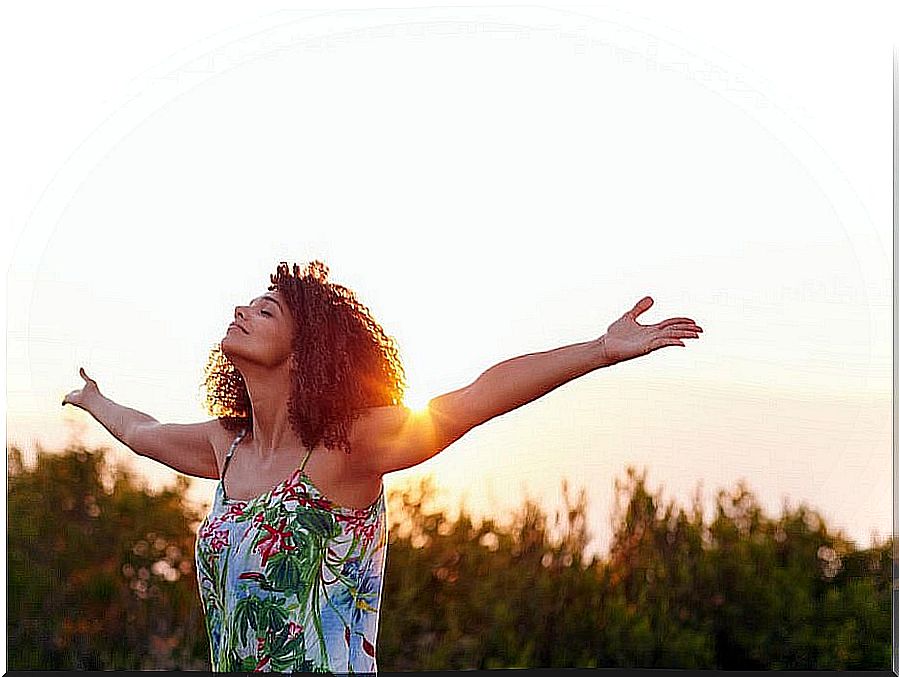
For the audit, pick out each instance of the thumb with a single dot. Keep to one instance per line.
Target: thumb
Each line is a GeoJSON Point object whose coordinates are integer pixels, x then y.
{"type": "Point", "coordinates": [642, 306]}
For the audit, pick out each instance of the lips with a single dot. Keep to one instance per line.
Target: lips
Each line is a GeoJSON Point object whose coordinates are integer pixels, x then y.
{"type": "Point", "coordinates": [234, 324]}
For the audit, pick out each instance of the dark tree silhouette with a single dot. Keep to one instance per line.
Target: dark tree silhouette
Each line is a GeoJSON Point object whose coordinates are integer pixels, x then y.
{"type": "Point", "coordinates": [101, 577]}
{"type": "Point", "coordinates": [100, 569]}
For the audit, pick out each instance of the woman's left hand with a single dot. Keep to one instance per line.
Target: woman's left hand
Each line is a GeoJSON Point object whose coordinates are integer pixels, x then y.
{"type": "Point", "coordinates": [625, 339]}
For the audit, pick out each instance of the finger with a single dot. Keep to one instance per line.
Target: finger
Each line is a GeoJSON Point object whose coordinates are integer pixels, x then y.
{"type": "Point", "coordinates": [642, 306]}
{"type": "Point", "coordinates": [84, 375]}
{"type": "Point", "coordinates": [676, 320]}
{"type": "Point", "coordinates": [668, 327]}
{"type": "Point", "coordinates": [681, 333]}
{"type": "Point", "coordinates": [662, 342]}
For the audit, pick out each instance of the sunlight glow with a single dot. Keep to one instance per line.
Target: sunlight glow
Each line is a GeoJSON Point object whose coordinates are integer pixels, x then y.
{"type": "Point", "coordinates": [416, 399]}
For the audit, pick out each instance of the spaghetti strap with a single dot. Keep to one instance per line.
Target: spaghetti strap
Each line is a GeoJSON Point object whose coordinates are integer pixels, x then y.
{"type": "Point", "coordinates": [231, 449]}
{"type": "Point", "coordinates": [302, 467]}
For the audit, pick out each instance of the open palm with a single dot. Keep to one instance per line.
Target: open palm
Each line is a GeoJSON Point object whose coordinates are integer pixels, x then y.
{"type": "Point", "coordinates": [626, 339]}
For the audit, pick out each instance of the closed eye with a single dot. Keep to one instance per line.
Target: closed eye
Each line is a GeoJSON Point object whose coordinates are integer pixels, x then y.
{"type": "Point", "coordinates": [265, 312]}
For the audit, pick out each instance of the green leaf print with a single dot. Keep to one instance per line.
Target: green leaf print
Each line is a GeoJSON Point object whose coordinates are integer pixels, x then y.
{"type": "Point", "coordinates": [312, 575]}
{"type": "Point", "coordinates": [306, 554]}
{"type": "Point", "coordinates": [317, 622]}
{"type": "Point", "coordinates": [204, 563]}
{"type": "Point", "coordinates": [226, 628]}
{"type": "Point", "coordinates": [272, 513]}
{"type": "Point", "coordinates": [249, 513]}
{"type": "Point", "coordinates": [247, 664]}
{"type": "Point", "coordinates": [255, 614]}
{"type": "Point", "coordinates": [286, 650]}
{"type": "Point", "coordinates": [247, 613]}
{"type": "Point", "coordinates": [283, 664]}
{"type": "Point", "coordinates": [321, 524]}
{"type": "Point", "coordinates": [285, 573]}
{"type": "Point", "coordinates": [273, 615]}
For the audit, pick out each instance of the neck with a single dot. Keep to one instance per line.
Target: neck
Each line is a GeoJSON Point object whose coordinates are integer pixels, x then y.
{"type": "Point", "coordinates": [269, 392]}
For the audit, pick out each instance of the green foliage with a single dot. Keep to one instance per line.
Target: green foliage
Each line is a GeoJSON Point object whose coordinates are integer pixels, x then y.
{"type": "Point", "coordinates": [101, 577]}
{"type": "Point", "coordinates": [745, 591]}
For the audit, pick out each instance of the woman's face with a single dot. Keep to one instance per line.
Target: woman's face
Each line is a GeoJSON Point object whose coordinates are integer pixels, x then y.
{"type": "Point", "coordinates": [262, 332]}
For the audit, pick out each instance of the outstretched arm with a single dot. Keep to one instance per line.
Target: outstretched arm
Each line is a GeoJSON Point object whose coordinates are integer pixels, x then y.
{"type": "Point", "coordinates": [515, 382]}
{"type": "Point", "coordinates": [186, 448]}
{"type": "Point", "coordinates": [393, 438]}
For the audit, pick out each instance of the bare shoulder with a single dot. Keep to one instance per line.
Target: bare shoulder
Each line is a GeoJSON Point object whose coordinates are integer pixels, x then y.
{"type": "Point", "coordinates": [371, 419]}
{"type": "Point", "coordinates": [190, 448]}
{"type": "Point", "coordinates": [372, 430]}
{"type": "Point", "coordinates": [395, 437]}
{"type": "Point", "coordinates": [375, 426]}
{"type": "Point", "coordinates": [221, 439]}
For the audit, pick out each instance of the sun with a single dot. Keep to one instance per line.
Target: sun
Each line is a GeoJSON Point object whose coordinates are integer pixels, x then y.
{"type": "Point", "coordinates": [416, 399]}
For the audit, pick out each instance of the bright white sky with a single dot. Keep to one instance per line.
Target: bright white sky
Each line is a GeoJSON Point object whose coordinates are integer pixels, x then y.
{"type": "Point", "coordinates": [491, 182]}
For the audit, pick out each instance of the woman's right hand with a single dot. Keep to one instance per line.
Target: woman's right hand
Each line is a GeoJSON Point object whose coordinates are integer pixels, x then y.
{"type": "Point", "coordinates": [80, 397]}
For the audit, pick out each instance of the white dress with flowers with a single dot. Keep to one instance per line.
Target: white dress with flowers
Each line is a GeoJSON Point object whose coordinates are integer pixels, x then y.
{"type": "Point", "coordinates": [291, 581]}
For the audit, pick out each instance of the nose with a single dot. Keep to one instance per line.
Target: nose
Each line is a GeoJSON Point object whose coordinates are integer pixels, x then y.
{"type": "Point", "coordinates": [239, 313]}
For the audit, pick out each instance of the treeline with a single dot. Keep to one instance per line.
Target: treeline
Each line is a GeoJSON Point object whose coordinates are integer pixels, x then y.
{"type": "Point", "coordinates": [101, 577]}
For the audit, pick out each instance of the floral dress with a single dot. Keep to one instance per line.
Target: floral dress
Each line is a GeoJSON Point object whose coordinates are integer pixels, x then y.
{"type": "Point", "coordinates": [291, 581]}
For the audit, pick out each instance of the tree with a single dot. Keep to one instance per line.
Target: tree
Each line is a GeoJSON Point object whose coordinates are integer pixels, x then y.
{"type": "Point", "coordinates": [100, 570]}
{"type": "Point", "coordinates": [101, 577]}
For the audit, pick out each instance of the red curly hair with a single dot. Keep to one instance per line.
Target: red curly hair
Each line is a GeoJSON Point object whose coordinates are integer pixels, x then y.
{"type": "Point", "coordinates": [342, 362]}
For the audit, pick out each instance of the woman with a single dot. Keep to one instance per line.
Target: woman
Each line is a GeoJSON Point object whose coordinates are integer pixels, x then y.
{"type": "Point", "coordinates": [290, 558]}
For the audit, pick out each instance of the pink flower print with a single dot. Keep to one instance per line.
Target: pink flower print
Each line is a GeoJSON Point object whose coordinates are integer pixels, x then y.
{"type": "Point", "coordinates": [219, 540]}
{"type": "Point", "coordinates": [307, 500]}
{"type": "Point", "coordinates": [355, 519]}
{"type": "Point", "coordinates": [260, 643]}
{"type": "Point", "coordinates": [234, 510]}
{"type": "Point", "coordinates": [208, 529]}
{"type": "Point", "coordinates": [358, 530]}
{"type": "Point", "coordinates": [358, 527]}
{"type": "Point", "coordinates": [260, 666]}
{"type": "Point", "coordinates": [294, 629]}
{"type": "Point", "coordinates": [369, 535]}
{"type": "Point", "coordinates": [275, 541]}
{"type": "Point", "coordinates": [310, 502]}
{"type": "Point", "coordinates": [286, 487]}
{"type": "Point", "coordinates": [290, 492]}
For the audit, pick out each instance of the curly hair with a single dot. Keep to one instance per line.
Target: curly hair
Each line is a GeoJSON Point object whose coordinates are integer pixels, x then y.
{"type": "Point", "coordinates": [342, 361]}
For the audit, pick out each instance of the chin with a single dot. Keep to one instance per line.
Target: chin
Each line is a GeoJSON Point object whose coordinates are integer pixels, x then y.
{"type": "Point", "coordinates": [228, 348]}
{"type": "Point", "coordinates": [239, 355]}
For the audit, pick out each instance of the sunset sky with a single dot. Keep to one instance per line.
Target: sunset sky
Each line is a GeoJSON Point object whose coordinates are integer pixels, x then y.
{"type": "Point", "coordinates": [491, 182]}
